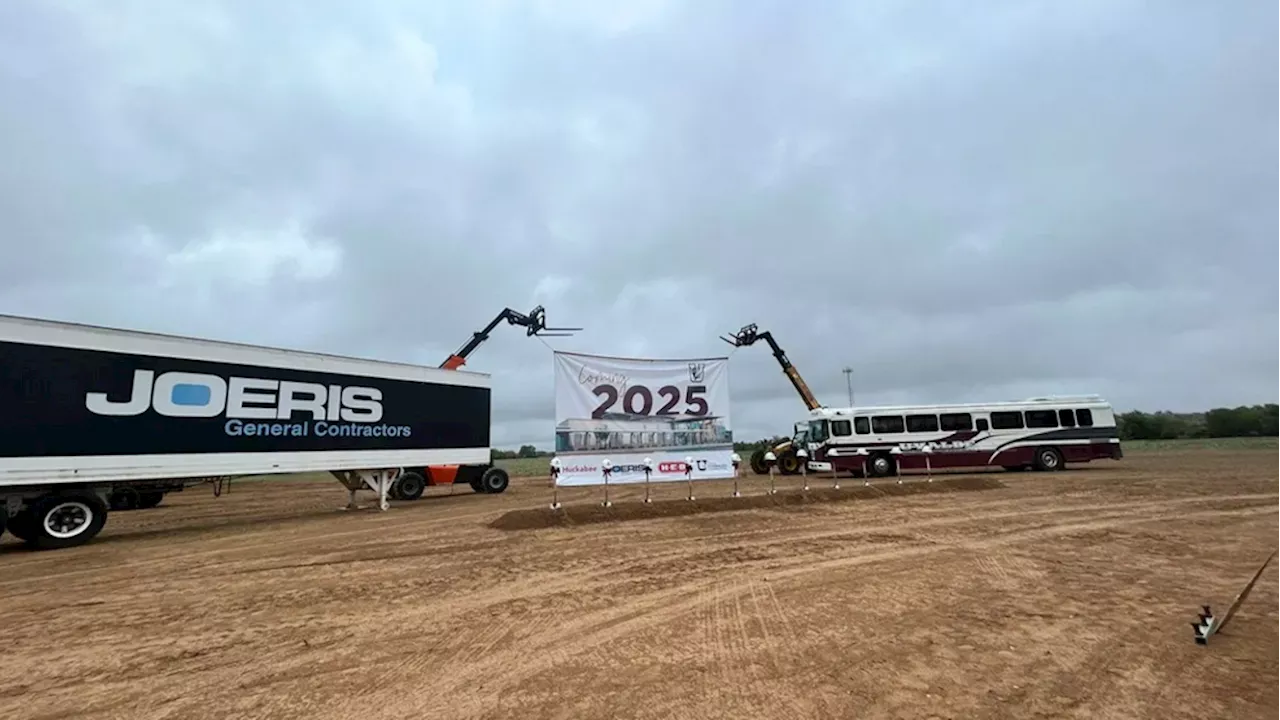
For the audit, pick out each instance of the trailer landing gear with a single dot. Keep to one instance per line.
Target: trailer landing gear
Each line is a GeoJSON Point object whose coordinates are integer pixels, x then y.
{"type": "Point", "coordinates": [379, 481]}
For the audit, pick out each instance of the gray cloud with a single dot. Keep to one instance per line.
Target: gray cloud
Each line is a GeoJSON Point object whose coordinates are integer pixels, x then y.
{"type": "Point", "coordinates": [1041, 197]}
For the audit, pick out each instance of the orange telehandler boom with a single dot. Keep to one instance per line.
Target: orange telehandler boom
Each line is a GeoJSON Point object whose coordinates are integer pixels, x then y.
{"type": "Point", "coordinates": [485, 478]}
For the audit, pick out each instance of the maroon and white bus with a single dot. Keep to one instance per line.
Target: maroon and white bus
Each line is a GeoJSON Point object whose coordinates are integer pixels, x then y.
{"type": "Point", "coordinates": [1040, 433]}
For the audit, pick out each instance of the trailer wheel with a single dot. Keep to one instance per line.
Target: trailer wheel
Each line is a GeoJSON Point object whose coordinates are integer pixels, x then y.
{"type": "Point", "coordinates": [494, 480]}
{"type": "Point", "coordinates": [124, 498]}
{"type": "Point", "coordinates": [148, 500]}
{"type": "Point", "coordinates": [20, 525]}
{"type": "Point", "coordinates": [880, 465]}
{"type": "Point", "coordinates": [1048, 459]}
{"type": "Point", "coordinates": [411, 485]}
{"type": "Point", "coordinates": [63, 521]}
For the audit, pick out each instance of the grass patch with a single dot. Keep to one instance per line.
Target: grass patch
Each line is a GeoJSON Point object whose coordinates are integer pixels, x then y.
{"type": "Point", "coordinates": [525, 467]}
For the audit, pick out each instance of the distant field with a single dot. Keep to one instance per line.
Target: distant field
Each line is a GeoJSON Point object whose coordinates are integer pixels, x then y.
{"type": "Point", "coordinates": [525, 467]}
{"type": "Point", "coordinates": [1241, 443]}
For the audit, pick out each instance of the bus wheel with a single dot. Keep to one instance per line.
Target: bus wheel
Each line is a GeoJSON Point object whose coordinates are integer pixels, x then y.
{"type": "Point", "coordinates": [63, 521]}
{"type": "Point", "coordinates": [411, 486]}
{"type": "Point", "coordinates": [1048, 459]}
{"type": "Point", "coordinates": [879, 465]}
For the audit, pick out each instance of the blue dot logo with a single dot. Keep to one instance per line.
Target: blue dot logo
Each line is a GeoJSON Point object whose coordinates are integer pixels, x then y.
{"type": "Point", "coordinates": [190, 395]}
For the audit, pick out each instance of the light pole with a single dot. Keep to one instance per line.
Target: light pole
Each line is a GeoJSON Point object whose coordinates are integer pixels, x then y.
{"type": "Point", "coordinates": [848, 382]}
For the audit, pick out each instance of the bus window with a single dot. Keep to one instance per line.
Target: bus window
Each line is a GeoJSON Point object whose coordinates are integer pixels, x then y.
{"type": "Point", "coordinates": [887, 424]}
{"type": "Point", "coordinates": [1084, 417]}
{"type": "Point", "coordinates": [1042, 419]}
{"type": "Point", "coordinates": [1006, 420]}
{"type": "Point", "coordinates": [922, 423]}
{"type": "Point", "coordinates": [862, 426]}
{"type": "Point", "coordinates": [953, 422]}
{"type": "Point", "coordinates": [1066, 418]}
{"type": "Point", "coordinates": [982, 425]}
{"type": "Point", "coordinates": [841, 428]}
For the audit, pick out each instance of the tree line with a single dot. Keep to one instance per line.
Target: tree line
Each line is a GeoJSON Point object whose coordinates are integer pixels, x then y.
{"type": "Point", "coordinates": [1242, 421]}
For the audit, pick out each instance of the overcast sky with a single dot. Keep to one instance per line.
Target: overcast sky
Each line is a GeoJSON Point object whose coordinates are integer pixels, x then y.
{"type": "Point", "coordinates": [960, 200]}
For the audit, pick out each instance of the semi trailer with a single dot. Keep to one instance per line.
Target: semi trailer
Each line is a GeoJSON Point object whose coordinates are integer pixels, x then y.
{"type": "Point", "coordinates": [89, 413]}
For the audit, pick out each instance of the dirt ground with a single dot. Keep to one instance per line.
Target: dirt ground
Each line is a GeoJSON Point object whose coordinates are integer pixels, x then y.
{"type": "Point", "coordinates": [1050, 595]}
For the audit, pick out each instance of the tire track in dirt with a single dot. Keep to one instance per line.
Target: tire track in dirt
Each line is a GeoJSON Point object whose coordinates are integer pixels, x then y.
{"type": "Point", "coordinates": [653, 609]}
{"type": "Point", "coordinates": [252, 540]}
{"type": "Point", "coordinates": [240, 543]}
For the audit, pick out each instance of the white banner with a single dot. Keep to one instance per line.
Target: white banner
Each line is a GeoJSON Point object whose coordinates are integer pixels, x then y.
{"type": "Point", "coordinates": [626, 410]}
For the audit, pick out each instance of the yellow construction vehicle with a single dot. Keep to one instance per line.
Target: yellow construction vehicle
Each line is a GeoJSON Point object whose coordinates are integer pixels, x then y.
{"type": "Point", "coordinates": [787, 462]}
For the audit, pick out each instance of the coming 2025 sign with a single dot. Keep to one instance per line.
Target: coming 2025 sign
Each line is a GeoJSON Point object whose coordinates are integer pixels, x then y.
{"type": "Point", "coordinates": [627, 409]}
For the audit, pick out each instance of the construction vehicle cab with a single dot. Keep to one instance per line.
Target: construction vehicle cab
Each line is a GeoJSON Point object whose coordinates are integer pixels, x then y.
{"type": "Point", "coordinates": [788, 463]}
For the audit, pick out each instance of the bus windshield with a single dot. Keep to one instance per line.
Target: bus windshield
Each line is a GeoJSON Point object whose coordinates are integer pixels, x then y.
{"type": "Point", "coordinates": [818, 431]}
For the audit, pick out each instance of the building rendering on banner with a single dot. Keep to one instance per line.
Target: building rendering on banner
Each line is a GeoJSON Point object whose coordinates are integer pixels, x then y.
{"type": "Point", "coordinates": [671, 416]}
{"type": "Point", "coordinates": [621, 431]}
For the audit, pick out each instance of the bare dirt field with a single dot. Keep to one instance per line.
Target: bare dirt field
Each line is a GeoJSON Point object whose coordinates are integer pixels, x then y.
{"type": "Point", "coordinates": [1050, 595]}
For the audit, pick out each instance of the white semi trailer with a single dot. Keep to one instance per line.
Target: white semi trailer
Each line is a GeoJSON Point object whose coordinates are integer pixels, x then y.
{"type": "Point", "coordinates": [94, 417]}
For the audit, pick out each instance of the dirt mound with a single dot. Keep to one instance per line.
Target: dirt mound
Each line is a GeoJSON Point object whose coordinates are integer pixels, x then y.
{"type": "Point", "coordinates": [590, 513]}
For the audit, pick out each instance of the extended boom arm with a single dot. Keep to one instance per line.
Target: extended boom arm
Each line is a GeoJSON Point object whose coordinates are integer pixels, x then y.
{"type": "Point", "coordinates": [749, 335]}
{"type": "Point", "coordinates": [535, 323]}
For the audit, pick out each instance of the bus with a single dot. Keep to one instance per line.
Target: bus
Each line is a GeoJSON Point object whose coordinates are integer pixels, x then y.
{"type": "Point", "coordinates": [1043, 433]}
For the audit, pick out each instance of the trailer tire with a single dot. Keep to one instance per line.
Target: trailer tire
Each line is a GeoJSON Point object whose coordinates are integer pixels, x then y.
{"type": "Point", "coordinates": [124, 498]}
{"type": "Point", "coordinates": [20, 525]}
{"type": "Point", "coordinates": [148, 500]}
{"type": "Point", "coordinates": [62, 521]}
{"type": "Point", "coordinates": [494, 480]}
{"type": "Point", "coordinates": [1048, 459]}
{"type": "Point", "coordinates": [880, 464]}
{"type": "Point", "coordinates": [411, 486]}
